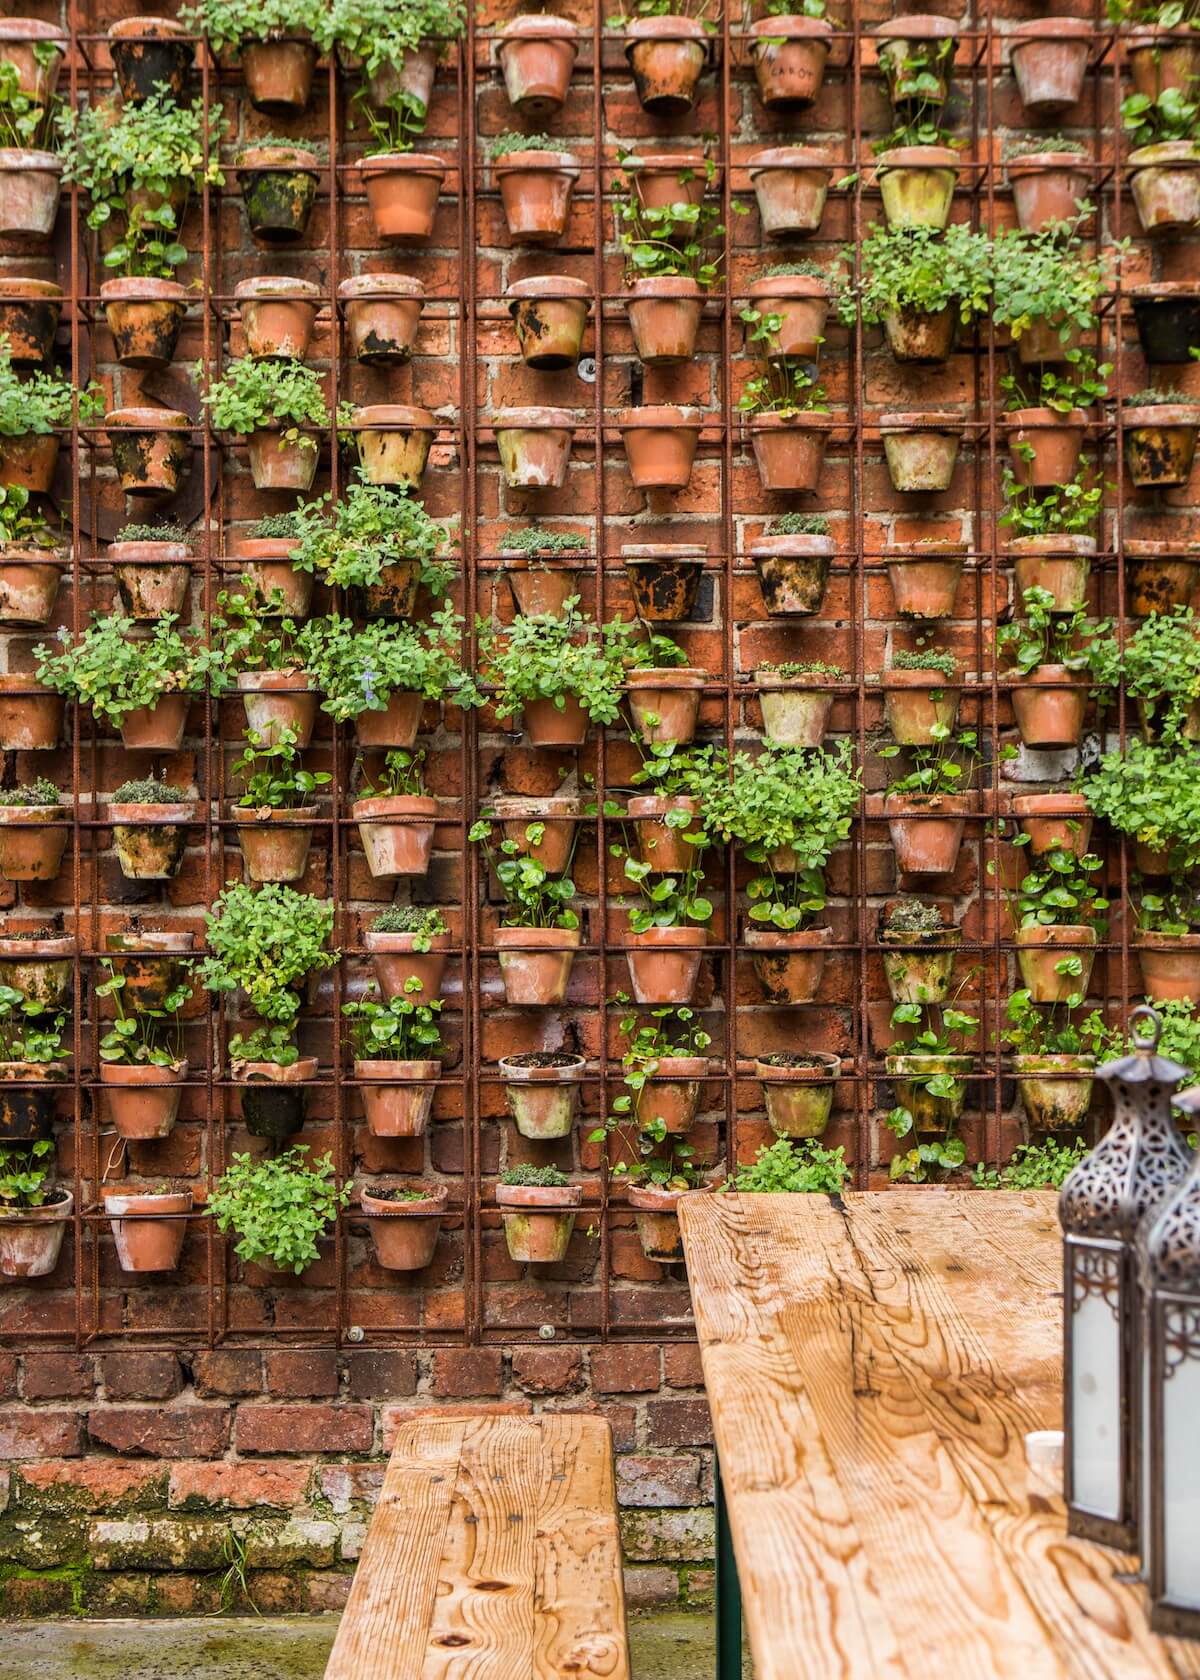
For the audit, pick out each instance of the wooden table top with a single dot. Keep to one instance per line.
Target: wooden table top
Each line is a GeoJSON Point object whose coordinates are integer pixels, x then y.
{"type": "Point", "coordinates": [872, 1370]}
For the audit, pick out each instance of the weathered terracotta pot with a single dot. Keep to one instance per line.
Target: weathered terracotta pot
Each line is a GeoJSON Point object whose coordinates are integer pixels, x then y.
{"type": "Point", "coordinates": [278, 74]}
{"type": "Point", "coordinates": [279, 464]}
{"type": "Point", "coordinates": [789, 56]}
{"type": "Point", "coordinates": [535, 963]}
{"type": "Point", "coordinates": [540, 586]}
{"type": "Point", "coordinates": [1057, 563]}
{"type": "Point", "coordinates": [665, 703]}
{"type": "Point", "coordinates": [278, 315]}
{"type": "Point", "coordinates": [918, 966]}
{"type": "Point", "coordinates": [1160, 443]}
{"type": "Point", "coordinates": [144, 317]}
{"type": "Point", "coordinates": [921, 450]}
{"type": "Point", "coordinates": [667, 56]}
{"type": "Point", "coordinates": [927, 830]}
{"type": "Point", "coordinates": [29, 583]}
{"type": "Point", "coordinates": [535, 193]}
{"type": "Point", "coordinates": [660, 445]}
{"type": "Point", "coordinates": [917, 185]}
{"type": "Point", "coordinates": [279, 700]}
{"type": "Point", "coordinates": [394, 595]}
{"type": "Point", "coordinates": [542, 1089]}
{"type": "Point", "coordinates": [273, 848]}
{"type": "Point", "coordinates": [40, 968]}
{"type": "Point", "coordinates": [932, 1115]}
{"type": "Point", "coordinates": [794, 715]}
{"type": "Point", "coordinates": [916, 703]}
{"type": "Point", "coordinates": [150, 839]}
{"type": "Point", "coordinates": [36, 51]}
{"type": "Point", "coordinates": [397, 725]}
{"type": "Point", "coordinates": [404, 1234]}
{"type": "Point", "coordinates": [1159, 61]}
{"type": "Point", "coordinates": [1055, 1101]}
{"type": "Point", "coordinates": [548, 725]}
{"type": "Point", "coordinates": [535, 446]}
{"type": "Point", "coordinates": [142, 1102]}
{"type": "Point", "coordinates": [1047, 187]}
{"type": "Point", "coordinates": [394, 440]}
{"type": "Point", "coordinates": [150, 449]}
{"type": "Point", "coordinates": [414, 75]}
{"type": "Point", "coordinates": [402, 192]}
{"type": "Point", "coordinates": [925, 580]}
{"type": "Point", "coordinates": [554, 825]}
{"type": "Point", "coordinates": [393, 846]}
{"type": "Point", "coordinates": [30, 183]}
{"type": "Point", "coordinates": [789, 966]}
{"type": "Point", "coordinates": [29, 1100]}
{"type": "Point", "coordinates": [30, 848]}
{"type": "Point", "coordinates": [664, 315]}
{"type": "Point", "coordinates": [29, 461]}
{"type": "Point", "coordinates": [671, 1094]}
{"type": "Point", "coordinates": [31, 715]}
{"type": "Point", "coordinates": [31, 1241]}
{"type": "Point", "coordinates": [1165, 182]}
{"type": "Point", "coordinates": [397, 1097]}
{"type": "Point", "coordinates": [1040, 949]}
{"type": "Point", "coordinates": [1167, 316]}
{"type": "Point", "coordinates": [1051, 715]}
{"type": "Point", "coordinates": [789, 453]}
{"type": "Point", "coordinates": [1044, 447]}
{"type": "Point", "coordinates": [659, 843]}
{"type": "Point", "coordinates": [550, 314]}
{"type": "Point", "coordinates": [273, 1097]}
{"type": "Point", "coordinates": [537, 54]}
{"type": "Point", "coordinates": [149, 50]}
{"type": "Point", "coordinates": [792, 573]}
{"type": "Point", "coordinates": [382, 314]}
{"type": "Point", "coordinates": [657, 1222]}
{"type": "Point", "coordinates": [279, 188]}
{"type": "Point", "coordinates": [1170, 965]}
{"type": "Point", "coordinates": [662, 179]}
{"type": "Point", "coordinates": [664, 964]}
{"type": "Point", "coordinates": [157, 728]}
{"type": "Point", "coordinates": [151, 577]}
{"type": "Point", "coordinates": [265, 561]}
{"type": "Point", "coordinates": [903, 38]}
{"type": "Point", "coordinates": [535, 1232]}
{"type": "Point", "coordinates": [1049, 60]}
{"type": "Point", "coordinates": [148, 1230]}
{"type": "Point", "coordinates": [396, 962]}
{"type": "Point", "coordinates": [1048, 341]}
{"type": "Point", "coordinates": [799, 1097]}
{"type": "Point", "coordinates": [29, 315]}
{"type": "Point", "coordinates": [1159, 576]}
{"type": "Point", "coordinates": [1054, 821]}
{"type": "Point", "coordinates": [915, 336]}
{"type": "Point", "coordinates": [790, 184]}
{"type": "Point", "coordinates": [664, 579]}
{"type": "Point", "coordinates": [801, 301]}
{"type": "Point", "coordinates": [150, 962]}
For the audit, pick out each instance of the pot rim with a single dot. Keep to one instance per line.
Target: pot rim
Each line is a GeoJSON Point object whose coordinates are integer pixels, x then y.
{"type": "Point", "coordinates": [175, 943]}
{"type": "Point", "coordinates": [538, 939]}
{"type": "Point", "coordinates": [1142, 548]}
{"type": "Point", "coordinates": [539, 26]}
{"type": "Point", "coordinates": [1050, 804]}
{"type": "Point", "coordinates": [38, 1215]}
{"type": "Point", "coordinates": [828, 1070]}
{"type": "Point", "coordinates": [519, 805]}
{"type": "Point", "coordinates": [1077, 933]}
{"type": "Point", "coordinates": [918, 420]}
{"type": "Point", "coordinates": [1161, 415]}
{"type": "Point", "coordinates": [375, 1207]}
{"type": "Point", "coordinates": [120, 1073]}
{"type": "Point", "coordinates": [143, 290]}
{"type": "Point", "coordinates": [949, 804]}
{"type": "Point", "coordinates": [801, 545]}
{"type": "Point", "coordinates": [946, 938]}
{"type": "Point", "coordinates": [666, 286]}
{"type": "Point", "coordinates": [1051, 1062]}
{"type": "Point", "coordinates": [22, 286]}
{"type": "Point", "coordinates": [658, 417]}
{"type": "Point", "coordinates": [921, 26]}
{"type": "Point", "coordinates": [684, 938]}
{"type": "Point", "coordinates": [950, 553]}
{"type": "Point", "coordinates": [146, 28]}
{"type": "Point", "coordinates": [666, 677]}
{"type": "Point", "coordinates": [1164, 291]}
{"type": "Point", "coordinates": [894, 677]}
{"type": "Point", "coordinates": [682, 553]}
{"type": "Point", "coordinates": [789, 157]}
{"type": "Point", "coordinates": [552, 1196]}
{"type": "Point", "coordinates": [1178, 154]}
{"type": "Point", "coordinates": [247, 816]}
{"type": "Point", "coordinates": [1051, 544]}
{"type": "Point", "coordinates": [671, 1070]}
{"type": "Point", "coordinates": [33, 29]}
{"type": "Point", "coordinates": [1035, 419]}
{"type": "Point", "coordinates": [788, 285]}
{"type": "Point", "coordinates": [396, 804]}
{"type": "Point", "coordinates": [568, 1074]}
{"type": "Point", "coordinates": [381, 286]}
{"type": "Point", "coordinates": [659, 804]}
{"type": "Point", "coordinates": [276, 286]}
{"type": "Point", "coordinates": [535, 418]}
{"type": "Point", "coordinates": [132, 1204]}
{"type": "Point", "coordinates": [29, 161]}
{"type": "Point", "coordinates": [132, 815]}
{"type": "Point", "coordinates": [918, 157]}
{"type": "Point", "coordinates": [299, 1072]}
{"type": "Point", "coordinates": [1166, 941]}
{"type": "Point", "coordinates": [793, 939]}
{"type": "Point", "coordinates": [252, 682]}
{"type": "Point", "coordinates": [375, 941]}
{"type": "Point", "coordinates": [395, 414]}
{"type": "Point", "coordinates": [670, 28]}
{"type": "Point", "coordinates": [148, 420]}
{"type": "Point", "coordinates": [1043, 163]}
{"type": "Point", "coordinates": [45, 1073]}
{"type": "Point", "coordinates": [805, 682]}
{"type": "Point", "coordinates": [32, 813]}
{"type": "Point", "coordinates": [793, 26]}
{"type": "Point", "coordinates": [39, 948]}
{"type": "Point", "coordinates": [268, 160]}
{"type": "Point", "coordinates": [808, 419]}
{"type": "Point", "coordinates": [422, 1069]}
{"type": "Point", "coordinates": [563, 287]}
{"type": "Point", "coordinates": [540, 163]}
{"type": "Point", "coordinates": [1051, 29]}
{"type": "Point", "coordinates": [174, 553]}
{"type": "Point", "coordinates": [404, 163]}
{"type": "Point", "coordinates": [954, 1063]}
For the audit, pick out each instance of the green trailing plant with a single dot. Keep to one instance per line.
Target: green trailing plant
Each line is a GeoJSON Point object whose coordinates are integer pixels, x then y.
{"type": "Point", "coordinates": [671, 1031]}
{"type": "Point", "coordinates": [1173, 911]}
{"type": "Point", "coordinates": [41, 792]}
{"type": "Point", "coordinates": [273, 1045]}
{"type": "Point", "coordinates": [1045, 276]}
{"type": "Point", "coordinates": [698, 9]}
{"type": "Point", "coordinates": [1065, 510]}
{"type": "Point", "coordinates": [358, 668]}
{"type": "Point", "coordinates": [24, 1182]}
{"type": "Point", "coordinates": [22, 523]}
{"type": "Point", "coordinates": [783, 388]}
{"type": "Point", "coordinates": [266, 940]}
{"type": "Point", "coordinates": [1151, 793]}
{"type": "Point", "coordinates": [1179, 1040]}
{"type": "Point", "coordinates": [143, 1037]}
{"type": "Point", "coordinates": [280, 1207]}
{"type": "Point", "coordinates": [33, 404]}
{"type": "Point", "coordinates": [1031, 1029]}
{"type": "Point", "coordinates": [1034, 1166]}
{"type": "Point", "coordinates": [1160, 667]}
{"type": "Point", "coordinates": [941, 1031]}
{"type": "Point", "coordinates": [268, 395]}
{"type": "Point", "coordinates": [348, 544]}
{"type": "Point", "coordinates": [534, 1178]}
{"type": "Point", "coordinates": [916, 69]}
{"type": "Point", "coordinates": [379, 35]}
{"type": "Point", "coordinates": [424, 922]}
{"type": "Point", "coordinates": [244, 639]}
{"type": "Point", "coordinates": [1062, 891]}
{"type": "Point", "coordinates": [538, 657]}
{"type": "Point", "coordinates": [25, 124]}
{"type": "Point", "coordinates": [785, 1167]}
{"type": "Point", "coordinates": [228, 25]}
{"type": "Point", "coordinates": [1044, 635]}
{"type": "Point", "coordinates": [679, 239]}
{"type": "Point", "coordinates": [936, 770]}
{"type": "Point", "coordinates": [536, 542]}
{"type": "Point", "coordinates": [273, 775]}
{"type": "Point", "coordinates": [28, 1032]}
{"type": "Point", "coordinates": [533, 898]}
{"type": "Point", "coordinates": [148, 790]}
{"type": "Point", "coordinates": [113, 674]}
{"type": "Point", "coordinates": [400, 1029]}
{"type": "Point", "coordinates": [1082, 384]}
{"type": "Point", "coordinates": [400, 776]}
{"type": "Point", "coordinates": [919, 271]}
{"type": "Point", "coordinates": [923, 127]}
{"type": "Point", "coordinates": [1174, 115]}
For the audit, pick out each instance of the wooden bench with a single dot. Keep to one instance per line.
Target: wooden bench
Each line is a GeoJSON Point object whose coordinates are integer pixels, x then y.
{"type": "Point", "coordinates": [494, 1553]}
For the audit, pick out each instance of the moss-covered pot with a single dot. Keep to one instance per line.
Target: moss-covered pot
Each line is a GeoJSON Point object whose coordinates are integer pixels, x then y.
{"type": "Point", "coordinates": [798, 1091]}
{"type": "Point", "coordinates": [40, 968]}
{"type": "Point", "coordinates": [541, 1088]}
{"type": "Point", "coordinates": [151, 577]}
{"type": "Point", "coordinates": [538, 1220]}
{"type": "Point", "coordinates": [789, 966]}
{"type": "Point", "coordinates": [918, 966]}
{"type": "Point", "coordinates": [917, 185]}
{"type": "Point", "coordinates": [1165, 182]}
{"type": "Point", "coordinates": [795, 713]}
{"type": "Point", "coordinates": [27, 1099]}
{"type": "Point", "coordinates": [150, 449]}
{"type": "Point", "coordinates": [933, 1115]}
{"type": "Point", "coordinates": [279, 188]}
{"type": "Point", "coordinates": [273, 1097]}
{"type": "Point", "coordinates": [921, 450]}
{"type": "Point", "coordinates": [29, 314]}
{"type": "Point", "coordinates": [1056, 1090]}
{"type": "Point", "coordinates": [151, 838]}
{"type": "Point", "coordinates": [144, 317]}
{"type": "Point", "coordinates": [151, 962]}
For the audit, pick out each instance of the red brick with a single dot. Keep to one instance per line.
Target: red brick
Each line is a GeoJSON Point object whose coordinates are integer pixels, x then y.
{"type": "Point", "coordinates": [678, 1423]}
{"type": "Point", "coordinates": [548, 1370]}
{"type": "Point", "coordinates": [304, 1429]}
{"type": "Point", "coordinates": [227, 1371]}
{"type": "Point", "coordinates": [624, 1368]}
{"type": "Point", "coordinates": [238, 1486]}
{"type": "Point", "coordinates": [681, 1365]}
{"type": "Point", "coordinates": [94, 1484]}
{"type": "Point", "coordinates": [140, 1376]}
{"type": "Point", "coordinates": [297, 1375]}
{"type": "Point", "coordinates": [382, 1374]}
{"type": "Point", "coordinates": [57, 1376]}
{"type": "Point", "coordinates": [462, 1373]}
{"type": "Point", "coordinates": [162, 1431]}
{"type": "Point", "coordinates": [40, 1434]}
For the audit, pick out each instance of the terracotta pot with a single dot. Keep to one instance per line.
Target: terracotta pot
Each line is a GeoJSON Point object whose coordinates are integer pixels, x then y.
{"type": "Point", "coordinates": [789, 453]}
{"type": "Point", "coordinates": [548, 725]}
{"type": "Point", "coordinates": [789, 966]}
{"type": "Point", "coordinates": [1159, 576]}
{"type": "Point", "coordinates": [397, 963]}
{"type": "Point", "coordinates": [1048, 341]}
{"type": "Point", "coordinates": [31, 1241]}
{"type": "Point", "coordinates": [1165, 182]}
{"type": "Point", "coordinates": [39, 968]}
{"type": "Point", "coordinates": [148, 1230]}
{"type": "Point", "coordinates": [657, 1222]}
{"type": "Point", "coordinates": [789, 60]}
{"type": "Point", "coordinates": [395, 847]}
{"type": "Point", "coordinates": [799, 1099]}
{"type": "Point", "coordinates": [142, 1102]}
{"type": "Point", "coordinates": [157, 728]}
{"type": "Point", "coordinates": [664, 315]}
{"type": "Point", "coordinates": [29, 461]}
{"type": "Point", "coordinates": [274, 850]}
{"type": "Point", "coordinates": [925, 585]}
{"type": "Point", "coordinates": [1047, 186]}
{"type": "Point", "coordinates": [916, 703]}
{"type": "Point", "coordinates": [550, 314]}
{"type": "Point", "coordinates": [1167, 316]}
{"type": "Point", "coordinates": [932, 1115]}
{"type": "Point", "coordinates": [659, 843]}
{"type": "Point", "coordinates": [1049, 60]}
{"type": "Point", "coordinates": [30, 848]}
{"type": "Point", "coordinates": [393, 596]}
{"type": "Point", "coordinates": [1058, 563]}
{"type": "Point", "coordinates": [793, 715]}
{"type": "Point", "coordinates": [1054, 821]}
{"type": "Point", "coordinates": [382, 314]}
{"type": "Point", "coordinates": [144, 317]}
{"type": "Point", "coordinates": [792, 573]}
{"type": "Point", "coordinates": [404, 1234]}
{"type": "Point", "coordinates": [149, 50]}
{"type": "Point", "coordinates": [664, 964]}
{"type": "Point", "coordinates": [151, 577]}
{"type": "Point", "coordinates": [31, 716]}
{"type": "Point", "coordinates": [537, 585]}
{"type": "Point", "coordinates": [151, 964]}
{"type": "Point", "coordinates": [665, 703]}
{"type": "Point", "coordinates": [29, 314]}
{"type": "Point", "coordinates": [150, 448]}
{"type": "Point", "coordinates": [535, 193]}
{"type": "Point", "coordinates": [1055, 1101]}
{"type": "Point", "coordinates": [801, 302]}
{"type": "Point", "coordinates": [265, 561]}
{"type": "Point", "coordinates": [1044, 447]}
{"type": "Point", "coordinates": [273, 1097]}
{"type": "Point", "coordinates": [1158, 62]}
{"type": "Point", "coordinates": [414, 75]}
{"type": "Point", "coordinates": [663, 179]}
{"type": "Point", "coordinates": [279, 700]}
{"type": "Point", "coordinates": [397, 1097]}
{"type": "Point", "coordinates": [915, 336]}
{"type": "Point", "coordinates": [534, 1232]}
{"type": "Point", "coordinates": [1160, 443]}
{"type": "Point", "coordinates": [671, 1094]}
{"type": "Point", "coordinates": [279, 188]}
{"type": "Point", "coordinates": [921, 450]}
{"type": "Point", "coordinates": [1040, 950]}
{"type": "Point", "coordinates": [30, 183]}
{"type": "Point", "coordinates": [397, 725]}
{"type": "Point", "coordinates": [790, 184]}
{"type": "Point", "coordinates": [667, 56]}
{"type": "Point", "coordinates": [279, 464]}
{"type": "Point", "coordinates": [402, 192]}
{"type": "Point", "coordinates": [903, 38]}
{"type": "Point", "coordinates": [917, 185]}
{"type": "Point", "coordinates": [664, 579]}
{"type": "Point", "coordinates": [535, 446]}
{"type": "Point", "coordinates": [537, 54]}
{"type": "Point", "coordinates": [927, 830]}
{"type": "Point", "coordinates": [918, 966]}
{"type": "Point", "coordinates": [150, 839]}
{"type": "Point", "coordinates": [29, 581]}
{"type": "Point", "coordinates": [278, 315]}
{"type": "Point", "coordinates": [535, 963]}
{"type": "Point", "coordinates": [553, 822]}
{"type": "Point", "coordinates": [1170, 965]}
{"type": "Point", "coordinates": [28, 1101]}
{"type": "Point", "coordinates": [541, 1089]}
{"type": "Point", "coordinates": [1052, 715]}
{"type": "Point", "coordinates": [36, 51]}
{"type": "Point", "coordinates": [278, 74]}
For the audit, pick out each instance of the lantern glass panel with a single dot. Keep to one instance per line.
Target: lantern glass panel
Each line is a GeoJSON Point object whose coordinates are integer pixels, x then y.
{"type": "Point", "coordinates": [1096, 1407]}
{"type": "Point", "coordinates": [1181, 1482]}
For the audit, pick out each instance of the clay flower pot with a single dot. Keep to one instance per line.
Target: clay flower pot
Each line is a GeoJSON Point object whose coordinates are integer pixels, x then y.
{"type": "Point", "coordinates": [29, 461]}
{"type": "Point", "coordinates": [382, 314]}
{"type": "Point", "coordinates": [1040, 950]}
{"type": "Point", "coordinates": [921, 450]}
{"type": "Point", "coordinates": [31, 1240]}
{"type": "Point", "coordinates": [40, 968]}
{"type": "Point", "coordinates": [789, 59]}
{"type": "Point", "coordinates": [404, 1234]}
{"type": "Point", "coordinates": [29, 316]}
{"type": "Point", "coordinates": [278, 315]}
{"type": "Point", "coordinates": [393, 596]}
{"type": "Point", "coordinates": [273, 844]}
{"type": "Point", "coordinates": [148, 1230]}
{"type": "Point", "coordinates": [1167, 316]}
{"type": "Point", "coordinates": [392, 845]}
{"type": "Point", "coordinates": [666, 703]}
{"type": "Point", "coordinates": [535, 963]}
{"type": "Point", "coordinates": [1056, 1091]}
{"type": "Point", "coordinates": [397, 725]}
{"type": "Point", "coordinates": [914, 335]}
{"type": "Point", "coordinates": [660, 843]}
{"type": "Point", "coordinates": [1048, 341]}
{"type": "Point", "coordinates": [801, 301]}
{"type": "Point", "coordinates": [1170, 965]}
{"type": "Point", "coordinates": [394, 440]}
{"type": "Point", "coordinates": [1047, 186]}
{"type": "Point", "coordinates": [1057, 563]}
{"type": "Point", "coordinates": [798, 1091]}
{"type": "Point", "coordinates": [657, 1222]}
{"type": "Point", "coordinates": [414, 75]}
{"type": "Point", "coordinates": [402, 192]}
{"type": "Point", "coordinates": [789, 452]}
{"type": "Point", "coordinates": [927, 830]}
{"type": "Point", "coordinates": [266, 562]}
{"type": "Point", "coordinates": [541, 1089]}
{"type": "Point", "coordinates": [151, 577]}
{"type": "Point", "coordinates": [1160, 443]}
{"type": "Point", "coordinates": [550, 314]}
{"type": "Point", "coordinates": [144, 317]}
{"type": "Point", "coordinates": [1054, 821]}
{"type": "Point", "coordinates": [279, 700]}
{"type": "Point", "coordinates": [662, 179]}
{"type": "Point", "coordinates": [925, 581]}
{"type": "Point", "coordinates": [664, 964]}
{"type": "Point", "coordinates": [1049, 705]}
{"type": "Point", "coordinates": [664, 316]}
{"type": "Point", "coordinates": [792, 573]}
{"type": "Point", "coordinates": [932, 1115]}
{"type": "Point", "coordinates": [537, 54]}
{"type": "Point", "coordinates": [142, 1102]}
{"type": "Point", "coordinates": [150, 962]}
{"type": "Point", "coordinates": [535, 193]}
{"type": "Point", "coordinates": [31, 715]}
{"type": "Point", "coordinates": [917, 185]}
{"type": "Point", "coordinates": [551, 725]}
{"type": "Point", "coordinates": [277, 463]}
{"type": "Point", "coordinates": [279, 188]}
{"type": "Point", "coordinates": [794, 714]}
{"type": "Point", "coordinates": [918, 35]}
{"type": "Point", "coordinates": [30, 848]}
{"type": "Point", "coordinates": [149, 50]}
{"type": "Point", "coordinates": [790, 184]}
{"type": "Point", "coordinates": [671, 1094]}
{"type": "Point", "coordinates": [667, 56]}
{"type": "Point", "coordinates": [918, 966]}
{"type": "Point", "coordinates": [150, 839]}
{"type": "Point", "coordinates": [543, 829]}
{"type": "Point", "coordinates": [535, 446]}
{"type": "Point", "coordinates": [396, 963]}
{"type": "Point", "coordinates": [273, 1097]}
{"type": "Point", "coordinates": [789, 966]}
{"type": "Point", "coordinates": [1159, 576]}
{"type": "Point", "coordinates": [1049, 60]}
{"type": "Point", "coordinates": [537, 585]}
{"type": "Point", "coordinates": [1044, 447]}
{"type": "Point", "coordinates": [1165, 182]}
{"type": "Point", "coordinates": [150, 448]}
{"type": "Point", "coordinates": [278, 74]}
{"type": "Point", "coordinates": [35, 50]}
{"type": "Point", "coordinates": [29, 583]}
{"type": "Point", "coordinates": [1159, 61]}
{"type": "Point", "coordinates": [397, 1097]}
{"type": "Point", "coordinates": [664, 579]}
{"type": "Point", "coordinates": [916, 703]}
{"type": "Point", "coordinates": [28, 1100]}
{"type": "Point", "coordinates": [30, 183]}
{"type": "Point", "coordinates": [536, 1231]}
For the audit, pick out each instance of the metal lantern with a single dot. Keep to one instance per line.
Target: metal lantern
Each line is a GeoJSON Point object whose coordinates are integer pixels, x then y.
{"type": "Point", "coordinates": [1134, 1166]}
{"type": "Point", "coordinates": [1170, 1262]}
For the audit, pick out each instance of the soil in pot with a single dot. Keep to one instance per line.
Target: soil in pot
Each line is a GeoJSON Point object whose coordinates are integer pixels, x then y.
{"type": "Point", "coordinates": [534, 446]}
{"type": "Point", "coordinates": [793, 715]}
{"type": "Point", "coordinates": [918, 966]}
{"type": "Point", "coordinates": [1054, 822]}
{"type": "Point", "coordinates": [918, 704]}
{"type": "Point", "coordinates": [142, 1102]}
{"type": "Point", "coordinates": [664, 965]}
{"type": "Point", "coordinates": [275, 701]}
{"type": "Point", "coordinates": [144, 317]}
{"type": "Point", "coordinates": [279, 189]}
{"type": "Point", "coordinates": [921, 450]}
{"type": "Point", "coordinates": [1170, 965]}
{"type": "Point", "coordinates": [278, 315]}
{"type": "Point", "coordinates": [536, 1230]}
{"type": "Point", "coordinates": [1049, 707]}
{"type": "Point", "coordinates": [150, 448]}
{"type": "Point", "coordinates": [33, 839]}
{"type": "Point", "coordinates": [396, 834]}
{"type": "Point", "coordinates": [927, 831]}
{"type": "Point", "coordinates": [275, 845]}
{"type": "Point", "coordinates": [29, 584]}
{"type": "Point", "coordinates": [789, 452]}
{"type": "Point", "coordinates": [789, 55]}
{"type": "Point", "coordinates": [382, 314]}
{"type": "Point", "coordinates": [798, 1091]}
{"type": "Point", "coordinates": [397, 963]}
{"type": "Point", "coordinates": [664, 315]}
{"type": "Point", "coordinates": [665, 704]}
{"type": "Point", "coordinates": [147, 51]}
{"type": "Point", "coordinates": [543, 829]}
{"type": "Point", "coordinates": [1160, 443]}
{"type": "Point", "coordinates": [278, 74]}
{"type": "Point", "coordinates": [148, 1230]}
{"type": "Point", "coordinates": [917, 185]}
{"type": "Point", "coordinates": [402, 192]}
{"type": "Point", "coordinates": [31, 1241]}
{"type": "Point", "coordinates": [404, 1229]}
{"type": "Point", "coordinates": [1049, 60]}
{"type": "Point", "coordinates": [535, 963]}
{"type": "Point", "coordinates": [541, 1088]}
{"type": "Point", "coordinates": [1054, 1101]}
{"type": "Point", "coordinates": [150, 962]}
{"type": "Point", "coordinates": [660, 445]}
{"type": "Point", "coordinates": [661, 843]}
{"type": "Point", "coordinates": [30, 183]}
{"type": "Point", "coordinates": [537, 55]}
{"type": "Point", "coordinates": [549, 314]}
{"type": "Point", "coordinates": [29, 315]}
{"type": "Point", "coordinates": [536, 189]}
{"type": "Point", "coordinates": [31, 715]}
{"type": "Point", "coordinates": [664, 579]}
{"type": "Point", "coordinates": [150, 839]}
{"type": "Point", "coordinates": [789, 966]}
{"type": "Point", "coordinates": [1041, 949]}
{"type": "Point", "coordinates": [792, 573]}
{"type": "Point", "coordinates": [667, 56]}
{"type": "Point", "coordinates": [40, 967]}
{"type": "Point", "coordinates": [151, 577]}
{"type": "Point", "coordinates": [1047, 187]}
{"type": "Point", "coordinates": [273, 1097]}
{"type": "Point", "coordinates": [790, 184]}
{"type": "Point", "coordinates": [397, 1097]}
{"type": "Point", "coordinates": [925, 585]}
{"type": "Point", "coordinates": [28, 1100]}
